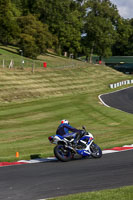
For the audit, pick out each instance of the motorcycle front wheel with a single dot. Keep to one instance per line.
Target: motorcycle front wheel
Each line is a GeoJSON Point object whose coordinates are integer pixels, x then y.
{"type": "Point", "coordinates": [62, 153]}
{"type": "Point", "coordinates": [96, 151]}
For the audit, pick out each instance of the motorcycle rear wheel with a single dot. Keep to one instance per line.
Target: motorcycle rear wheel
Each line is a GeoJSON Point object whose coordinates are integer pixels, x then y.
{"type": "Point", "coordinates": [96, 151]}
{"type": "Point", "coordinates": [62, 153]}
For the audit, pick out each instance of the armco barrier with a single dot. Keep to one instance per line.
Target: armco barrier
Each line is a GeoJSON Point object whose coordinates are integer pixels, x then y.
{"type": "Point", "coordinates": [115, 85]}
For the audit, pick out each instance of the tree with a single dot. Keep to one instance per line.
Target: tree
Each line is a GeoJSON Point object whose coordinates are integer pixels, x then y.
{"type": "Point", "coordinates": [100, 22]}
{"type": "Point", "coordinates": [8, 26]}
{"type": "Point", "coordinates": [28, 46]}
{"type": "Point", "coordinates": [35, 37]}
{"type": "Point", "coordinates": [130, 43]}
{"type": "Point", "coordinates": [16, 7]}
{"type": "Point", "coordinates": [64, 19]}
{"type": "Point", "coordinates": [124, 43]}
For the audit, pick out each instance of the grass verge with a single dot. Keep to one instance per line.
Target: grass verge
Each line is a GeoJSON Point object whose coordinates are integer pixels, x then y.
{"type": "Point", "coordinates": [123, 193]}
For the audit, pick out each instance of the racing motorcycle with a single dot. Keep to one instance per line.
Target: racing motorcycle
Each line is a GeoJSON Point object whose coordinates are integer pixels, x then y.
{"type": "Point", "coordinates": [65, 148]}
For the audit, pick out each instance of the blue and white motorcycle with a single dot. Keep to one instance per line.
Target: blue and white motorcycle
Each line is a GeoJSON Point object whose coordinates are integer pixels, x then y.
{"type": "Point", "coordinates": [65, 148]}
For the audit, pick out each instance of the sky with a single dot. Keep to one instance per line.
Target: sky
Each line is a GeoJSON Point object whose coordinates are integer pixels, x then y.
{"type": "Point", "coordinates": [125, 8]}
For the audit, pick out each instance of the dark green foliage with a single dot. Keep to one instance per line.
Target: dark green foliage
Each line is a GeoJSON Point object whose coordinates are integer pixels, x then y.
{"type": "Point", "coordinates": [8, 26]}
{"type": "Point", "coordinates": [100, 27]}
{"type": "Point", "coordinates": [35, 37]}
{"type": "Point", "coordinates": [124, 42]}
{"type": "Point", "coordinates": [59, 24]}
{"type": "Point", "coordinates": [64, 20]}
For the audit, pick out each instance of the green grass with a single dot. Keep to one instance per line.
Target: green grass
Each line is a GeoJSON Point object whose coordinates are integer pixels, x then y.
{"type": "Point", "coordinates": [123, 193]}
{"type": "Point", "coordinates": [32, 105]}
{"type": "Point", "coordinates": [8, 53]}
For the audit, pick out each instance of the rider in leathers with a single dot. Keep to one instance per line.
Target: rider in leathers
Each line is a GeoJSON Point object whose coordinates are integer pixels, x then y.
{"type": "Point", "coordinates": [64, 128]}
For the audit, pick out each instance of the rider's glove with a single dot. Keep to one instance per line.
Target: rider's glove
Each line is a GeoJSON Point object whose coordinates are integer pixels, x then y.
{"type": "Point", "coordinates": [82, 133]}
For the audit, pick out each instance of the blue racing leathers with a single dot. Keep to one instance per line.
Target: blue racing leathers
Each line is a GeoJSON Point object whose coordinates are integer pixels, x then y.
{"type": "Point", "coordinates": [64, 129]}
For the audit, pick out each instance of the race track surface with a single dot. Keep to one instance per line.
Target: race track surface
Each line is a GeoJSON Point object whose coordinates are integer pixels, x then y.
{"type": "Point", "coordinates": [43, 180]}
{"type": "Point", "coordinates": [122, 99]}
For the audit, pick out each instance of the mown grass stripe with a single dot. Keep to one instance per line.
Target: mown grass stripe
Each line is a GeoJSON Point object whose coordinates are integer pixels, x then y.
{"type": "Point", "coordinates": [32, 106]}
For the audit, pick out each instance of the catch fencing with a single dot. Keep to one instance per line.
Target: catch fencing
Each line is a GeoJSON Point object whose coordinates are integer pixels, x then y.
{"type": "Point", "coordinates": [20, 64]}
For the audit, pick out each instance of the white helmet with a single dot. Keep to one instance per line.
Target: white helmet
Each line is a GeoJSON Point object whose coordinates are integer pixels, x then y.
{"type": "Point", "coordinates": [64, 121]}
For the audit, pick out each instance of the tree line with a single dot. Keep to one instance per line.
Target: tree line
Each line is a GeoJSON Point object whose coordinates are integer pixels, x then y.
{"type": "Point", "coordinates": [67, 26]}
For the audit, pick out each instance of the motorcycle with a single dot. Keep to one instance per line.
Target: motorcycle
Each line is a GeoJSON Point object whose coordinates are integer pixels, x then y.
{"type": "Point", "coordinates": [65, 148]}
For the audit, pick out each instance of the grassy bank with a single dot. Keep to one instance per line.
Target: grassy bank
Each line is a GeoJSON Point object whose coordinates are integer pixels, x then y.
{"type": "Point", "coordinates": [124, 193]}
{"type": "Point", "coordinates": [8, 53]}
{"type": "Point", "coordinates": [32, 105]}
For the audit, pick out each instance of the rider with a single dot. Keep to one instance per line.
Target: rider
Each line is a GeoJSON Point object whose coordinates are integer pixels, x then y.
{"type": "Point", "coordinates": [64, 128]}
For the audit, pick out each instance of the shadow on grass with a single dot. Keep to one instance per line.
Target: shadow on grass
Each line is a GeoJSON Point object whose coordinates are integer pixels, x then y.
{"type": "Point", "coordinates": [35, 156]}
{"type": "Point", "coordinates": [11, 51]}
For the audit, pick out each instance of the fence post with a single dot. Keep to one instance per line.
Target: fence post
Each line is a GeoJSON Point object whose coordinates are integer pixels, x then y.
{"type": "Point", "coordinates": [33, 67]}
{"type": "Point", "coordinates": [3, 63]}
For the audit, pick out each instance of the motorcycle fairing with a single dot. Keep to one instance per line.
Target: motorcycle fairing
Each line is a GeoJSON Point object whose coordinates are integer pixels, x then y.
{"type": "Point", "coordinates": [83, 152]}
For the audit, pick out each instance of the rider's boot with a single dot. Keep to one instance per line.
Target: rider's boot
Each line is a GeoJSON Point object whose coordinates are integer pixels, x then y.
{"type": "Point", "coordinates": [75, 142]}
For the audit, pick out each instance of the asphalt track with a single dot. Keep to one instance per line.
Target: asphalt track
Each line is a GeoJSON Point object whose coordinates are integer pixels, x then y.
{"type": "Point", "coordinates": [122, 99]}
{"type": "Point", "coordinates": [44, 180]}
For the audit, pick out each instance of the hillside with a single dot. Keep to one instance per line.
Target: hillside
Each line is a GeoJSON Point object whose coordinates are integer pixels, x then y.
{"type": "Point", "coordinates": [32, 105]}
{"type": "Point", "coordinates": [61, 77]}
{"type": "Point", "coordinates": [23, 85]}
